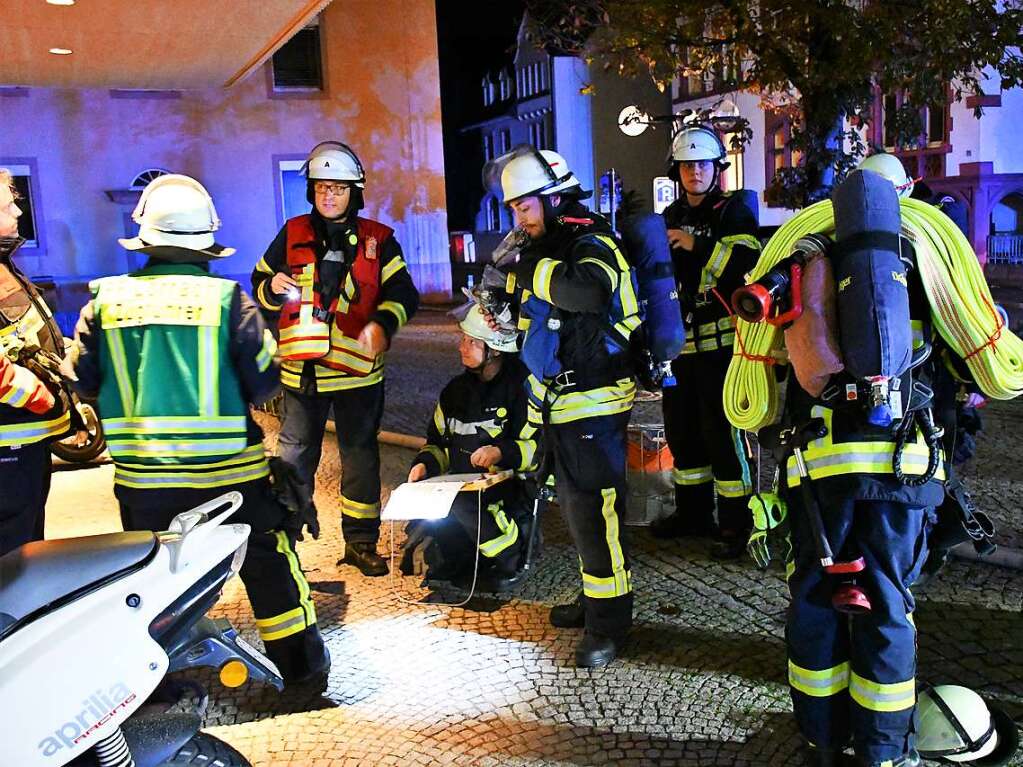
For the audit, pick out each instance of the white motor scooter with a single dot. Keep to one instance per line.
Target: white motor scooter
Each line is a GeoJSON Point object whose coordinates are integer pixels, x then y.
{"type": "Point", "coordinates": [90, 626]}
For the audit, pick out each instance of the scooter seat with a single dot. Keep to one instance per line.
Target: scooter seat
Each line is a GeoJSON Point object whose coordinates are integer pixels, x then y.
{"type": "Point", "coordinates": [41, 576]}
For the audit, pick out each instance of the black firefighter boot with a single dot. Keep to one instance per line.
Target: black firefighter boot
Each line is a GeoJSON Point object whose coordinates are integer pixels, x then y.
{"type": "Point", "coordinates": [363, 555]}
{"type": "Point", "coordinates": [569, 616]}
{"type": "Point", "coordinates": [828, 757]}
{"type": "Point", "coordinates": [607, 627]}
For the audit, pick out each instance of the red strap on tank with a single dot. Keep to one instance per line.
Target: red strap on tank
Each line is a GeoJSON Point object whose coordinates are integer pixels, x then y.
{"type": "Point", "coordinates": [767, 360]}
{"type": "Point", "coordinates": [581, 221]}
{"type": "Point", "coordinates": [991, 338]}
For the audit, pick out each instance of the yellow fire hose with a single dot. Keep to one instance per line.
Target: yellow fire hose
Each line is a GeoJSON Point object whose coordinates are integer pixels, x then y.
{"type": "Point", "coordinates": [961, 309]}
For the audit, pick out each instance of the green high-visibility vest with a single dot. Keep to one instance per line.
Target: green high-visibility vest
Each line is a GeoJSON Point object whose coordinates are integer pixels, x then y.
{"type": "Point", "coordinates": [169, 393]}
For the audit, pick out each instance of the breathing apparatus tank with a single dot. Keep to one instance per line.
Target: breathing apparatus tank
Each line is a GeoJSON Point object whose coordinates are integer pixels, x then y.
{"type": "Point", "coordinates": [874, 325]}
{"type": "Point", "coordinates": [663, 334]}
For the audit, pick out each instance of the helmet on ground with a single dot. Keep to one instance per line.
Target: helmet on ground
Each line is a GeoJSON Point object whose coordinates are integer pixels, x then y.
{"type": "Point", "coordinates": [176, 213]}
{"type": "Point", "coordinates": [697, 142]}
{"type": "Point", "coordinates": [955, 724]}
{"type": "Point", "coordinates": [527, 171]}
{"type": "Point", "coordinates": [474, 325]}
{"type": "Point", "coordinates": [334, 161]}
{"type": "Point", "coordinates": [889, 166]}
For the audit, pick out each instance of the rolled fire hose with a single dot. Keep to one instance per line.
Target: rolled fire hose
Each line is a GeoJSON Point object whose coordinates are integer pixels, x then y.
{"type": "Point", "coordinates": [961, 309]}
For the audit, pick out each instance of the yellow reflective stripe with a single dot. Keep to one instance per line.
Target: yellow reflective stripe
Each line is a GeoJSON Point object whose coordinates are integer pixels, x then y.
{"type": "Point", "coordinates": [120, 363]}
{"type": "Point", "coordinates": [611, 245]}
{"type": "Point", "coordinates": [359, 510]}
{"type": "Point", "coordinates": [264, 267]}
{"type": "Point", "coordinates": [696, 476]}
{"type": "Point", "coordinates": [790, 567]}
{"type": "Point", "coordinates": [344, 299]}
{"type": "Point", "coordinates": [572, 406]}
{"type": "Point", "coordinates": [396, 309]}
{"type": "Point", "coordinates": [22, 386]}
{"type": "Point", "coordinates": [266, 354]}
{"type": "Point", "coordinates": [731, 488]}
{"type": "Point", "coordinates": [720, 257]}
{"type": "Point", "coordinates": [440, 456]}
{"type": "Point", "coordinates": [819, 684]}
{"type": "Point", "coordinates": [346, 351]}
{"type": "Point", "coordinates": [614, 543]}
{"type": "Point", "coordinates": [174, 448]}
{"type": "Point", "coordinates": [876, 696]}
{"type": "Point", "coordinates": [35, 431]}
{"type": "Point", "coordinates": [209, 371]}
{"type": "Point", "coordinates": [726, 323]}
{"type": "Point", "coordinates": [918, 333]}
{"type": "Point", "coordinates": [173, 424]}
{"type": "Point", "coordinates": [299, 332]}
{"type": "Point", "coordinates": [392, 267]}
{"type": "Point", "coordinates": [542, 278]}
{"type": "Point", "coordinates": [605, 588]}
{"type": "Point", "coordinates": [296, 620]}
{"type": "Point", "coordinates": [860, 458]}
{"type": "Point", "coordinates": [328, 380]}
{"type": "Point", "coordinates": [629, 324]}
{"type": "Point", "coordinates": [509, 532]}
{"type": "Point", "coordinates": [527, 449]}
{"type": "Point", "coordinates": [193, 479]}
{"type": "Point", "coordinates": [262, 296]}
{"type": "Point", "coordinates": [612, 274]}
{"type": "Point", "coordinates": [438, 420]}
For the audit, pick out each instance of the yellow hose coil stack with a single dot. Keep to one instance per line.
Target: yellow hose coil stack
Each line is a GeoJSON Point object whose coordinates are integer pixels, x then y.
{"type": "Point", "coordinates": [961, 308]}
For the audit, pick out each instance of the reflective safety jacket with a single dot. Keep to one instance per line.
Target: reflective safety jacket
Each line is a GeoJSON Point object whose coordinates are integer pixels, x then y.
{"type": "Point", "coordinates": [319, 328]}
{"type": "Point", "coordinates": [175, 356]}
{"type": "Point", "coordinates": [472, 413]}
{"type": "Point", "coordinates": [25, 322]}
{"type": "Point", "coordinates": [854, 458]}
{"type": "Point", "coordinates": [578, 308]}
{"type": "Point", "coordinates": [726, 247]}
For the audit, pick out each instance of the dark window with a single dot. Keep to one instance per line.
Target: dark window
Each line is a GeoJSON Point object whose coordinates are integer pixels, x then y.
{"type": "Point", "coordinates": [27, 220]}
{"type": "Point", "coordinates": [298, 65]}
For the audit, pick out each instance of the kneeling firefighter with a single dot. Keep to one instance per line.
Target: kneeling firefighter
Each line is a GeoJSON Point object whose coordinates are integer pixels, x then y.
{"type": "Point", "coordinates": [480, 423]}
{"type": "Point", "coordinates": [341, 289]}
{"type": "Point", "coordinates": [575, 296]}
{"type": "Point", "coordinates": [714, 244]}
{"type": "Point", "coordinates": [176, 356]}
{"type": "Point", "coordinates": [861, 472]}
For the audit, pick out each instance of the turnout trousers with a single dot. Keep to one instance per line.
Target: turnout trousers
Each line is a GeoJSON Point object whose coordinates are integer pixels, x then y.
{"type": "Point", "coordinates": [589, 480]}
{"type": "Point", "coordinates": [272, 574]}
{"type": "Point", "coordinates": [25, 479]}
{"type": "Point", "coordinates": [856, 676]}
{"type": "Point", "coordinates": [357, 414]}
{"type": "Point", "coordinates": [709, 458]}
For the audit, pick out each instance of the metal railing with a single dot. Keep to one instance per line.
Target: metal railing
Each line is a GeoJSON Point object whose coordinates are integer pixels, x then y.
{"type": "Point", "coordinates": [1005, 249]}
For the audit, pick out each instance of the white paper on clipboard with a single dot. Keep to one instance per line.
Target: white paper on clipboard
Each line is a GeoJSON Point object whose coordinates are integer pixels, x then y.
{"type": "Point", "coordinates": [432, 498]}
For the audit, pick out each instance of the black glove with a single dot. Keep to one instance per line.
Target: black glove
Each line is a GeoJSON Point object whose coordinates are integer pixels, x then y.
{"type": "Point", "coordinates": [287, 490]}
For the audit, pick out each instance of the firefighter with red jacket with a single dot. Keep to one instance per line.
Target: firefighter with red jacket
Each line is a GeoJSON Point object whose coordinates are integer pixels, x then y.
{"type": "Point", "coordinates": [30, 416]}
{"type": "Point", "coordinates": [342, 290]}
{"type": "Point", "coordinates": [713, 244]}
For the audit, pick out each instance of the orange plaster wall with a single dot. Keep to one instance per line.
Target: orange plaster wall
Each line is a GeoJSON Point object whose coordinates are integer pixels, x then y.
{"type": "Point", "coordinates": [382, 98]}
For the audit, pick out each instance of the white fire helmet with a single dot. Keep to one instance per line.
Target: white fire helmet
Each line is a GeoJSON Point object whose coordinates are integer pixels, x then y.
{"type": "Point", "coordinates": [176, 211]}
{"type": "Point", "coordinates": [474, 325]}
{"type": "Point", "coordinates": [697, 142]}
{"type": "Point", "coordinates": [889, 166]}
{"type": "Point", "coordinates": [526, 171]}
{"type": "Point", "coordinates": [955, 724]}
{"type": "Point", "coordinates": [334, 161]}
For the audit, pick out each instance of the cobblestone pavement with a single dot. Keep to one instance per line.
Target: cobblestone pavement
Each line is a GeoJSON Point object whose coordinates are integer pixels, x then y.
{"type": "Point", "coordinates": [414, 682]}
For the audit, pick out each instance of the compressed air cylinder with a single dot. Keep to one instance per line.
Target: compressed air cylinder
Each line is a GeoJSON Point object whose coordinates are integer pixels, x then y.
{"type": "Point", "coordinates": [646, 242]}
{"type": "Point", "coordinates": [875, 334]}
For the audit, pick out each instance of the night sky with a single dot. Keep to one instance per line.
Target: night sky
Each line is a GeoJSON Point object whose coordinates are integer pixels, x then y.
{"type": "Point", "coordinates": [474, 38]}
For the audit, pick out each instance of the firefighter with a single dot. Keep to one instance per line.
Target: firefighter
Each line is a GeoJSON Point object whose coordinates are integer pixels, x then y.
{"type": "Point", "coordinates": [852, 677]}
{"type": "Point", "coordinates": [176, 356]}
{"type": "Point", "coordinates": [480, 424]}
{"type": "Point", "coordinates": [713, 236]}
{"type": "Point", "coordinates": [30, 416]}
{"type": "Point", "coordinates": [576, 298]}
{"type": "Point", "coordinates": [342, 290]}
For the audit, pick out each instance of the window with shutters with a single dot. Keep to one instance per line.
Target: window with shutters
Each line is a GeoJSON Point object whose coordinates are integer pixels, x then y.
{"type": "Point", "coordinates": [298, 64]}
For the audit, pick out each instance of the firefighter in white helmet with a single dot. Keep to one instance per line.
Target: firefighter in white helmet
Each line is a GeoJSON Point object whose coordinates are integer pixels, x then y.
{"type": "Point", "coordinates": [342, 290]}
{"type": "Point", "coordinates": [891, 167]}
{"type": "Point", "coordinates": [177, 422]}
{"type": "Point", "coordinates": [479, 423]}
{"type": "Point", "coordinates": [713, 236]}
{"type": "Point", "coordinates": [576, 299]}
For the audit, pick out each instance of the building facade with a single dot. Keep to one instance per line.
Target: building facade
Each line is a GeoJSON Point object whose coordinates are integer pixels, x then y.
{"type": "Point", "coordinates": [81, 156]}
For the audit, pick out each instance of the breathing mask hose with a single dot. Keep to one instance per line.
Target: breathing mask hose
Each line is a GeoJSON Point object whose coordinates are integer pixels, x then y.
{"type": "Point", "coordinates": [961, 308]}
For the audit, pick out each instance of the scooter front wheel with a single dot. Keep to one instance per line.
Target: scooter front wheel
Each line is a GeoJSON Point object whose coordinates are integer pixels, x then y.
{"type": "Point", "coordinates": [208, 751]}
